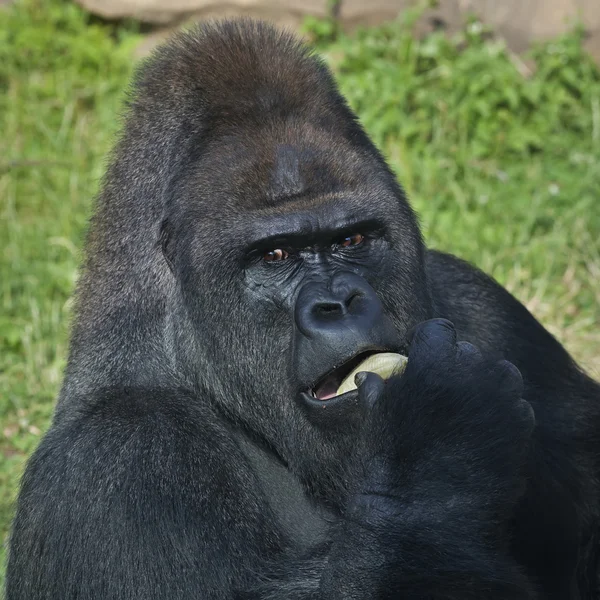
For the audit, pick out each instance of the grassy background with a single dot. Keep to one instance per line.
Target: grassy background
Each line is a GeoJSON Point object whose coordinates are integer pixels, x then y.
{"type": "Point", "coordinates": [500, 157]}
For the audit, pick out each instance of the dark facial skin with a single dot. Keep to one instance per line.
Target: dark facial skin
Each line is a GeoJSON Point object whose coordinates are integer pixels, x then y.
{"type": "Point", "coordinates": [321, 273]}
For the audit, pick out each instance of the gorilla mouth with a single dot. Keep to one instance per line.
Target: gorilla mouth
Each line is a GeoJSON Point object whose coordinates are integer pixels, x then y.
{"type": "Point", "coordinates": [327, 387]}
{"type": "Point", "coordinates": [340, 380]}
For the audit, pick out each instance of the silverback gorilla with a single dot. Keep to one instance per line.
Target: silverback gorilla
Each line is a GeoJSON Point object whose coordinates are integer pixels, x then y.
{"type": "Point", "coordinates": [249, 250]}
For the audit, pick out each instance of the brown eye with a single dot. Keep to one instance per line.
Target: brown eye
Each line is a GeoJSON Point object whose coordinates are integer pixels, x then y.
{"type": "Point", "coordinates": [275, 255]}
{"type": "Point", "coordinates": [353, 240]}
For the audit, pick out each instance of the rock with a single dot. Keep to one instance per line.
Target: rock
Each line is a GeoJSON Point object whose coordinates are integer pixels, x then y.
{"type": "Point", "coordinates": [285, 12]}
{"type": "Point", "coordinates": [518, 21]}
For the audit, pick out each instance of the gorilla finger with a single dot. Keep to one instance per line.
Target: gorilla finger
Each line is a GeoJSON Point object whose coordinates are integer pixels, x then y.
{"type": "Point", "coordinates": [466, 352]}
{"type": "Point", "coordinates": [413, 331]}
{"type": "Point", "coordinates": [431, 341]}
{"type": "Point", "coordinates": [510, 378]}
{"type": "Point", "coordinates": [370, 387]}
{"type": "Point", "coordinates": [527, 416]}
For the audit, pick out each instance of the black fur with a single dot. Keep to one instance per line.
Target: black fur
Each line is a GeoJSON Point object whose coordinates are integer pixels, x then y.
{"type": "Point", "coordinates": [185, 459]}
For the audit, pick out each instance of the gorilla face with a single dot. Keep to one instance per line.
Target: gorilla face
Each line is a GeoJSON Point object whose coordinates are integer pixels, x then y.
{"type": "Point", "coordinates": [318, 261]}
{"type": "Point", "coordinates": [320, 268]}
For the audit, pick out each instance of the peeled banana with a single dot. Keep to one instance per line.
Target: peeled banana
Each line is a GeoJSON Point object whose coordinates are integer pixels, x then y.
{"type": "Point", "coordinates": [384, 364]}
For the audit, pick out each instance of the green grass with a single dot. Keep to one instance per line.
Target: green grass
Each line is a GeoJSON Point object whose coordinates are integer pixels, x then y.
{"type": "Point", "coordinates": [504, 169]}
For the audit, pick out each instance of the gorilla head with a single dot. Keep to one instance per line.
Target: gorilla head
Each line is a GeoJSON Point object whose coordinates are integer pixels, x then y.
{"type": "Point", "coordinates": [260, 240]}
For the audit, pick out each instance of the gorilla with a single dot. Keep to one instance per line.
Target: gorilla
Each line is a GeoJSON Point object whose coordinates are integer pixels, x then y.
{"type": "Point", "coordinates": [237, 419]}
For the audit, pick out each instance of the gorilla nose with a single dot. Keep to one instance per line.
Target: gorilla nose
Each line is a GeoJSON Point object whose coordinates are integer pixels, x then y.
{"type": "Point", "coordinates": [347, 303]}
{"type": "Point", "coordinates": [336, 320]}
{"type": "Point", "coordinates": [330, 309]}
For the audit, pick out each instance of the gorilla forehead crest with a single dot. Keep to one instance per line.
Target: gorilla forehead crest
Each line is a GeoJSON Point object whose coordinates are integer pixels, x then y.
{"type": "Point", "coordinates": [286, 171]}
{"type": "Point", "coordinates": [263, 105]}
{"type": "Point", "coordinates": [246, 69]}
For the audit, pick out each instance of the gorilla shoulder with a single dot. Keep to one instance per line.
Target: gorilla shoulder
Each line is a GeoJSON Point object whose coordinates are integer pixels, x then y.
{"type": "Point", "coordinates": [486, 314]}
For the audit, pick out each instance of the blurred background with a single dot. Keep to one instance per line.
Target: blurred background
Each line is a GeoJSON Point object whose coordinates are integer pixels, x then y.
{"type": "Point", "coordinates": [489, 112]}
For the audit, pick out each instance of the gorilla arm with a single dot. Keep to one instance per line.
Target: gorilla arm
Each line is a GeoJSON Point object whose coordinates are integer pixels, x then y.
{"type": "Point", "coordinates": [556, 526]}
{"type": "Point", "coordinates": [150, 500]}
{"type": "Point", "coordinates": [144, 507]}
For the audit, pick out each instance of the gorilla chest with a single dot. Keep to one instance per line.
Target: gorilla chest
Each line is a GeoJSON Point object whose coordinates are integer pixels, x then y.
{"type": "Point", "coordinates": [303, 522]}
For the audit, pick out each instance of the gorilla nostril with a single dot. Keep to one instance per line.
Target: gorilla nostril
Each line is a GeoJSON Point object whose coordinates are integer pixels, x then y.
{"type": "Point", "coordinates": [328, 309]}
{"type": "Point", "coordinates": [352, 297]}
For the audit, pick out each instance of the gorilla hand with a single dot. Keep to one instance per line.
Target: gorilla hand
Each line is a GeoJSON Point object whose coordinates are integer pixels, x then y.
{"type": "Point", "coordinates": [445, 443]}
{"type": "Point", "coordinates": [451, 431]}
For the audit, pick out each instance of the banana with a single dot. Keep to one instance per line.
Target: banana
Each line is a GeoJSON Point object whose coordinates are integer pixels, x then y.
{"type": "Point", "coordinates": [384, 364]}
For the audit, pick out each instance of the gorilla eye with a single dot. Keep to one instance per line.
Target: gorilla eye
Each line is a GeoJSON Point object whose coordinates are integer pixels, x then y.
{"type": "Point", "coordinates": [275, 255]}
{"type": "Point", "coordinates": [352, 240]}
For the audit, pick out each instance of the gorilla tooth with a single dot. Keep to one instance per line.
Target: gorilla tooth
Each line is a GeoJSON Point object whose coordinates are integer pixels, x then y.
{"type": "Point", "coordinates": [385, 364]}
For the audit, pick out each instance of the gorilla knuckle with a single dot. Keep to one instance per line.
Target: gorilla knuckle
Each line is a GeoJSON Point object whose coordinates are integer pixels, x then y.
{"type": "Point", "coordinates": [467, 352]}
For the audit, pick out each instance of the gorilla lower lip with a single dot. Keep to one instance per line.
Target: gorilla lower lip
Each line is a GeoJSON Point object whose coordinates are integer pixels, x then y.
{"type": "Point", "coordinates": [327, 387]}
{"type": "Point", "coordinates": [327, 390]}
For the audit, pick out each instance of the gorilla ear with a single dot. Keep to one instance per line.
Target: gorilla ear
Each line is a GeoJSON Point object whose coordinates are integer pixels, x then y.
{"type": "Point", "coordinates": [166, 242]}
